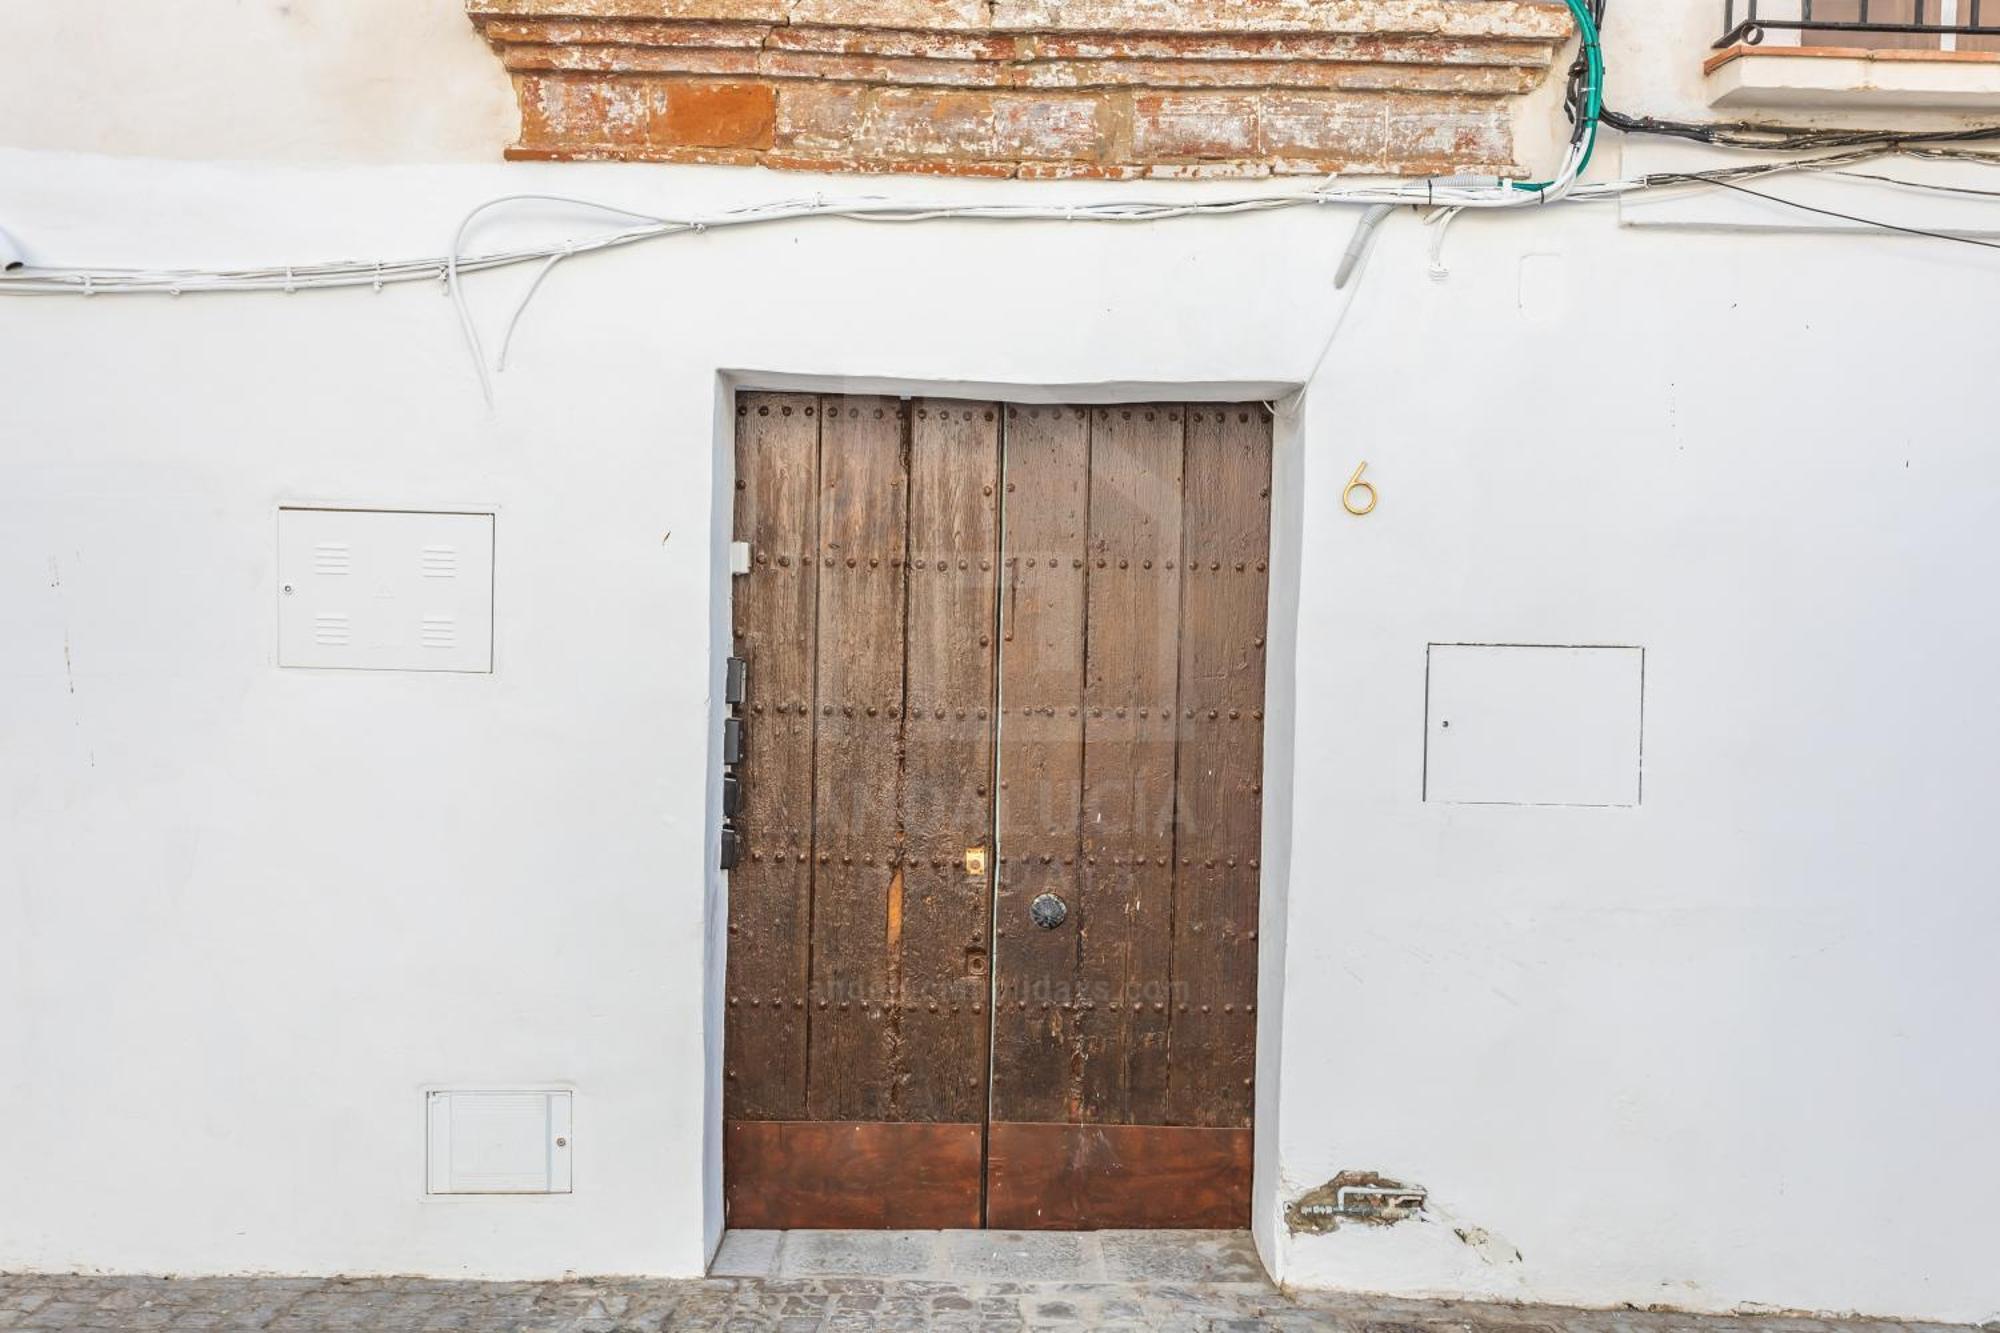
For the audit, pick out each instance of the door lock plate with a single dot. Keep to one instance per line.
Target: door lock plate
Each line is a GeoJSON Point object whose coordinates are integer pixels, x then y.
{"type": "Point", "coordinates": [975, 860]}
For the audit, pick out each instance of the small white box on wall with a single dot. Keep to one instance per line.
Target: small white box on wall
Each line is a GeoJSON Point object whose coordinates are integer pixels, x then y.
{"type": "Point", "coordinates": [487, 1141]}
{"type": "Point", "coordinates": [1533, 724]}
{"type": "Point", "coordinates": [385, 590]}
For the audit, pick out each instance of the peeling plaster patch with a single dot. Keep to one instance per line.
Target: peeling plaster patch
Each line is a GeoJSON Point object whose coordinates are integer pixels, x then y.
{"type": "Point", "coordinates": [1489, 1247]}
{"type": "Point", "coordinates": [1371, 1199]}
{"type": "Point", "coordinates": [1353, 1196]}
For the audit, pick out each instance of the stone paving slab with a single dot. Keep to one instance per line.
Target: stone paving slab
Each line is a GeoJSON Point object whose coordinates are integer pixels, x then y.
{"type": "Point", "coordinates": [999, 1283]}
{"type": "Point", "coordinates": [1019, 1256]}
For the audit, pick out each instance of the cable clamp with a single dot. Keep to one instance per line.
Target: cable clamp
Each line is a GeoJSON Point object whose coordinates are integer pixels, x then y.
{"type": "Point", "coordinates": [290, 285]}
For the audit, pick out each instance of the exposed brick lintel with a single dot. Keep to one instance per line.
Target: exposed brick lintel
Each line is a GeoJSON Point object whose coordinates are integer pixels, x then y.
{"type": "Point", "coordinates": [1036, 89]}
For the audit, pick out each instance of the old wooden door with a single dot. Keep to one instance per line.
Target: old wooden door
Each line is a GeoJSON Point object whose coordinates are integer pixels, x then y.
{"type": "Point", "coordinates": [993, 933]}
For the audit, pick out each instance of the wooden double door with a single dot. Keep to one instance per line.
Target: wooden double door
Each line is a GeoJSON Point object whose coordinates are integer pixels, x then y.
{"type": "Point", "coordinates": [992, 952]}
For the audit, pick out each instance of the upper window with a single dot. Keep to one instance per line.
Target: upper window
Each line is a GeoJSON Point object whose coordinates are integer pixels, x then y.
{"type": "Point", "coordinates": [1871, 25]}
{"type": "Point", "coordinates": [1920, 55]}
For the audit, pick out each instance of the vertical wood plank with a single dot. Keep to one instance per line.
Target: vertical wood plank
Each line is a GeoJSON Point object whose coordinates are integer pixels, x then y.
{"type": "Point", "coordinates": [1043, 545]}
{"type": "Point", "coordinates": [1131, 636]}
{"type": "Point", "coordinates": [777, 495]}
{"type": "Point", "coordinates": [1219, 792]}
{"type": "Point", "coordinates": [863, 505]}
{"type": "Point", "coordinates": [941, 1021]}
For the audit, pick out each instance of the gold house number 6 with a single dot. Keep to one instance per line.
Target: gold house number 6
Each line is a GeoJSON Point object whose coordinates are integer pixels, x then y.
{"type": "Point", "coordinates": [1351, 497]}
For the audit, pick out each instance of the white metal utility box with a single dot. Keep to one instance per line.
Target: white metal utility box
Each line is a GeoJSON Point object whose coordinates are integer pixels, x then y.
{"type": "Point", "coordinates": [387, 590]}
{"type": "Point", "coordinates": [499, 1142]}
{"type": "Point", "coordinates": [1533, 724]}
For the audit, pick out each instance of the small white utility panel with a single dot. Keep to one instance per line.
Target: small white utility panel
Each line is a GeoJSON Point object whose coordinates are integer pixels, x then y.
{"type": "Point", "coordinates": [1533, 724]}
{"type": "Point", "coordinates": [499, 1142]}
{"type": "Point", "coordinates": [385, 590]}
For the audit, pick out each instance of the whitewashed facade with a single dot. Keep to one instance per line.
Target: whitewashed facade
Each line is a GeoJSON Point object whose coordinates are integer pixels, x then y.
{"type": "Point", "coordinates": [1730, 1046]}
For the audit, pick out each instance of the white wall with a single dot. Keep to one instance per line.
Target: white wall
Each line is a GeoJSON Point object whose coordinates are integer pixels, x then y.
{"type": "Point", "coordinates": [269, 80]}
{"type": "Point", "coordinates": [1730, 1046]}
{"type": "Point", "coordinates": [1678, 1053]}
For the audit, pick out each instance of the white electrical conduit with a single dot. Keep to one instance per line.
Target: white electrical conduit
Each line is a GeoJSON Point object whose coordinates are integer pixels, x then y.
{"type": "Point", "coordinates": [1456, 192]}
{"type": "Point", "coordinates": [1442, 197]}
{"type": "Point", "coordinates": [1491, 192]}
{"type": "Point", "coordinates": [1448, 192]}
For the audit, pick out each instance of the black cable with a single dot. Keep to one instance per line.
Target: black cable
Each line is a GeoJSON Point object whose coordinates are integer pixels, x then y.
{"type": "Point", "coordinates": [1579, 73]}
{"type": "Point", "coordinates": [1920, 185]}
{"type": "Point", "coordinates": [1790, 138]}
{"type": "Point", "coordinates": [1698, 178]}
{"type": "Point", "coordinates": [1779, 138]}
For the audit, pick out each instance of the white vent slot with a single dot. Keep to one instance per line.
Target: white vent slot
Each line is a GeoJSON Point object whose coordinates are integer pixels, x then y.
{"type": "Point", "coordinates": [331, 629]}
{"type": "Point", "coordinates": [332, 558]}
{"type": "Point", "coordinates": [439, 562]}
{"type": "Point", "coordinates": [438, 632]}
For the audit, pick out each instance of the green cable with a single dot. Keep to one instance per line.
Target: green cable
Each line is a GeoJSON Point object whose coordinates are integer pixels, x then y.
{"type": "Point", "coordinates": [1593, 91]}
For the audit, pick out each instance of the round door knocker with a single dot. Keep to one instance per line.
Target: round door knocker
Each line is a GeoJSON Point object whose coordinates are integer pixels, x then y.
{"type": "Point", "coordinates": [1350, 497]}
{"type": "Point", "coordinates": [1048, 911]}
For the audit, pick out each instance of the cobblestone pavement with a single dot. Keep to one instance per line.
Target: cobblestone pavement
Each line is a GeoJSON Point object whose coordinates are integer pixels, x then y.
{"type": "Point", "coordinates": [1205, 1284]}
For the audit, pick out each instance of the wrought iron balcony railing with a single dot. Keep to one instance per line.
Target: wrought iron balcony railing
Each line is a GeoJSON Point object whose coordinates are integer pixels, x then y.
{"type": "Point", "coordinates": [1921, 24]}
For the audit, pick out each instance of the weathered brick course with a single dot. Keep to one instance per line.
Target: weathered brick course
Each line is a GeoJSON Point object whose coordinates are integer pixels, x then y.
{"type": "Point", "coordinates": [687, 113]}
{"type": "Point", "coordinates": [1180, 125]}
{"type": "Point", "coordinates": [1035, 88]}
